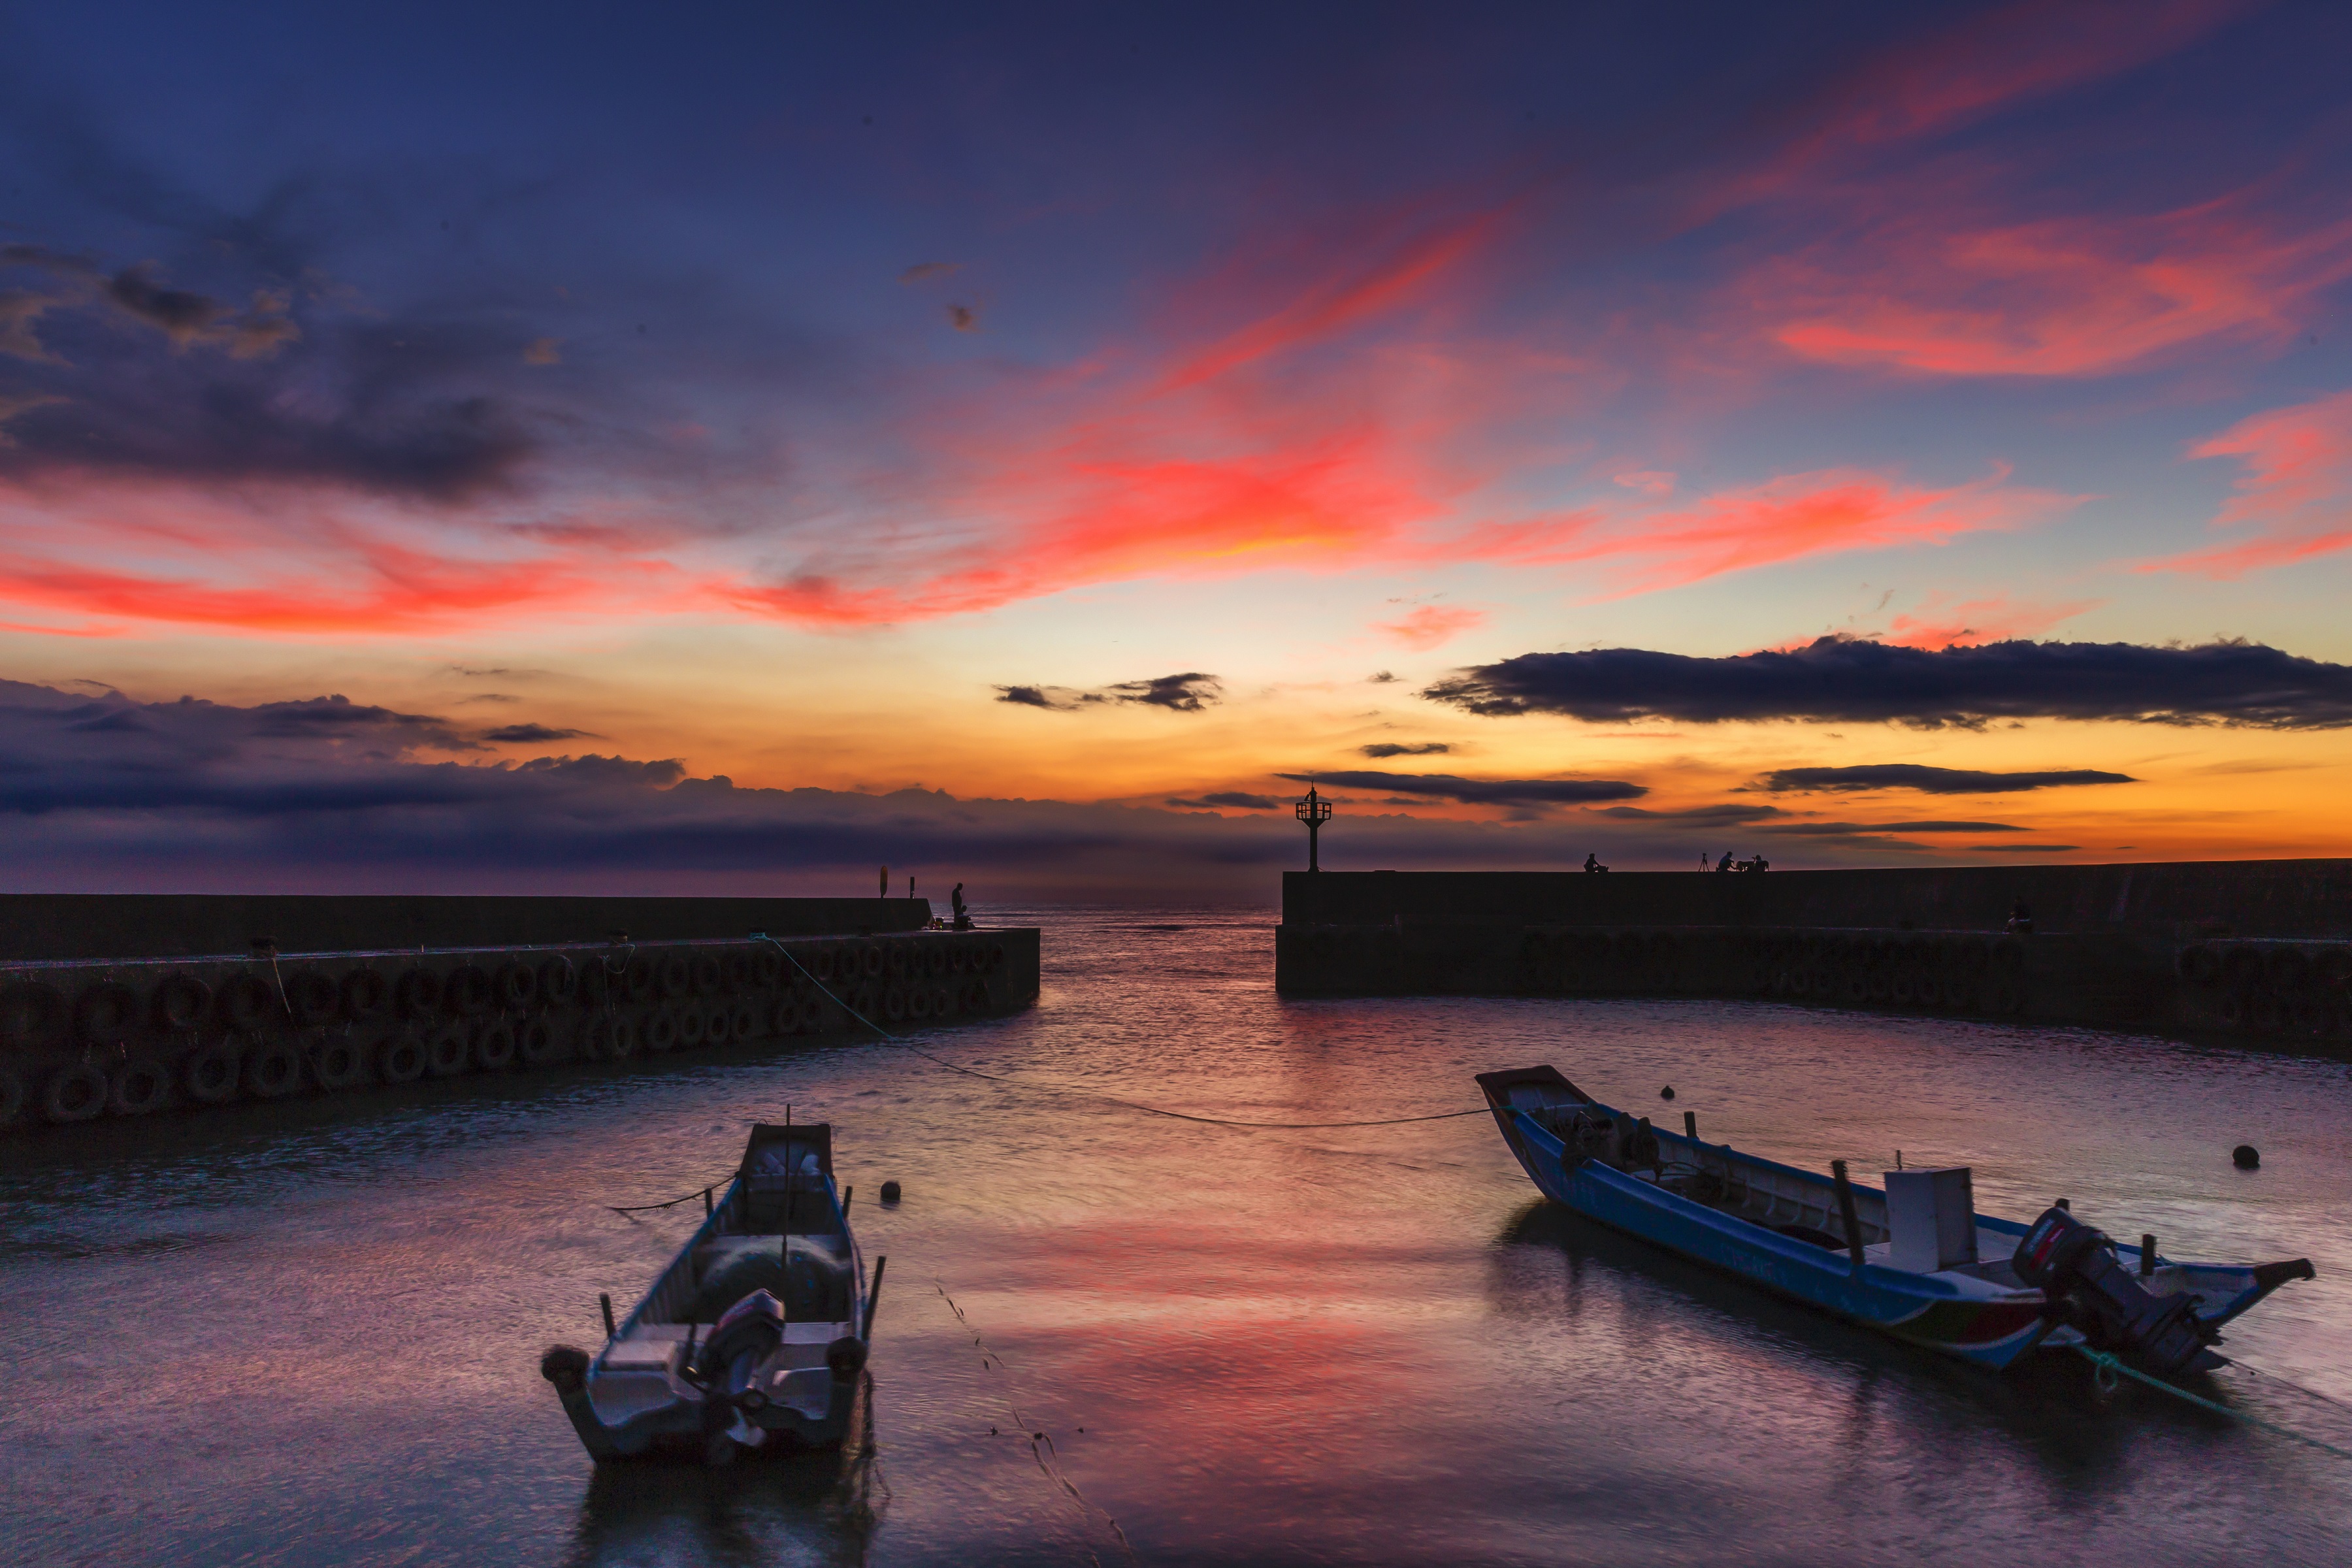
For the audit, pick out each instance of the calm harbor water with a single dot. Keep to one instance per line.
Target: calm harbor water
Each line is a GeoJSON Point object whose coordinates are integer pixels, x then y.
{"type": "Point", "coordinates": [311, 1334]}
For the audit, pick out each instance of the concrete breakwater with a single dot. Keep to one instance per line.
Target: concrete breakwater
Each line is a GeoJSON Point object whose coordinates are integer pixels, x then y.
{"type": "Point", "coordinates": [2260, 948]}
{"type": "Point", "coordinates": [91, 1037]}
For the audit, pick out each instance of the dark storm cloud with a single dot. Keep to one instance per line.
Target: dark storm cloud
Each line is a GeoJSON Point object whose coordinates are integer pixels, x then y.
{"type": "Point", "coordinates": [1695, 814]}
{"type": "Point", "coordinates": [1846, 829]}
{"type": "Point", "coordinates": [410, 408]}
{"type": "Point", "coordinates": [530, 734]}
{"type": "Point", "coordinates": [1854, 681]}
{"type": "Point", "coordinates": [1391, 749]}
{"type": "Point", "coordinates": [175, 312]}
{"type": "Point", "coordinates": [1192, 692]}
{"type": "Point", "coordinates": [1481, 792]}
{"type": "Point", "coordinates": [1929, 781]}
{"type": "Point", "coordinates": [106, 793]}
{"type": "Point", "coordinates": [1188, 693]}
{"type": "Point", "coordinates": [137, 294]}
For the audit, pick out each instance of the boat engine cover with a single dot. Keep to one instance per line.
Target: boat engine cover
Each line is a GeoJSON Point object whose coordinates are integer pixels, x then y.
{"type": "Point", "coordinates": [2077, 1265]}
{"type": "Point", "coordinates": [755, 1323]}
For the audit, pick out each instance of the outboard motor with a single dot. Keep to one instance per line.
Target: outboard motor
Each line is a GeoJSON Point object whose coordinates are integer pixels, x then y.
{"type": "Point", "coordinates": [744, 1336]}
{"type": "Point", "coordinates": [2077, 1265]}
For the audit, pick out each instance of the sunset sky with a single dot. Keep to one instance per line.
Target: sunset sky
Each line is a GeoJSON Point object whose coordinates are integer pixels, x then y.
{"type": "Point", "coordinates": [1023, 445]}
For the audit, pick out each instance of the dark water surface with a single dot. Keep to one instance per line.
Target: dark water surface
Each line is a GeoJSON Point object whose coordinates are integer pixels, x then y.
{"type": "Point", "coordinates": [310, 1335]}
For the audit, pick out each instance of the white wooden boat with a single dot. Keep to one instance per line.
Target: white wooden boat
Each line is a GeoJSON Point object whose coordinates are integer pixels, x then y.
{"type": "Point", "coordinates": [755, 1334]}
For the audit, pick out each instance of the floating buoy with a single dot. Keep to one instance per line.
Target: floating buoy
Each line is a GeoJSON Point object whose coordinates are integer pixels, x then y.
{"type": "Point", "coordinates": [890, 1191]}
{"type": "Point", "coordinates": [2245, 1156]}
{"type": "Point", "coordinates": [1667, 1092]}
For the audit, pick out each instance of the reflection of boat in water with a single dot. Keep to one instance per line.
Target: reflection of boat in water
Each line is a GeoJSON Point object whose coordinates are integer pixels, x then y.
{"type": "Point", "coordinates": [1914, 1260]}
{"type": "Point", "coordinates": [756, 1329]}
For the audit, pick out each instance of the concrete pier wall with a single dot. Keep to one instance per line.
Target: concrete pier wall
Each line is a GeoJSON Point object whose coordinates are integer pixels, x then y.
{"type": "Point", "coordinates": [2250, 948]}
{"type": "Point", "coordinates": [2303, 899]}
{"type": "Point", "coordinates": [246, 1000]}
{"type": "Point", "coordinates": [34, 926]}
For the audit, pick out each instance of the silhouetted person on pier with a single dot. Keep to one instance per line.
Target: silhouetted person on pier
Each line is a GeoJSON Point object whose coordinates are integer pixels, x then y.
{"type": "Point", "coordinates": [1724, 864]}
{"type": "Point", "coordinates": [2020, 919]}
{"type": "Point", "coordinates": [963, 917]}
{"type": "Point", "coordinates": [1593, 862]}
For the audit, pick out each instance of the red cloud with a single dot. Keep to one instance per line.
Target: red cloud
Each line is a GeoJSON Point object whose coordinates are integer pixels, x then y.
{"type": "Point", "coordinates": [286, 564]}
{"type": "Point", "coordinates": [2296, 487]}
{"type": "Point", "coordinates": [2073, 296]}
{"type": "Point", "coordinates": [2003, 55]}
{"type": "Point", "coordinates": [1333, 305]}
{"type": "Point", "coordinates": [1786, 518]}
{"type": "Point", "coordinates": [1101, 510]}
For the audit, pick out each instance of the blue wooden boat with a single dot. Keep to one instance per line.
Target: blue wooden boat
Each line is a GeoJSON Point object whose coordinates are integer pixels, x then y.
{"type": "Point", "coordinates": [1922, 1265]}
{"type": "Point", "coordinates": [756, 1330]}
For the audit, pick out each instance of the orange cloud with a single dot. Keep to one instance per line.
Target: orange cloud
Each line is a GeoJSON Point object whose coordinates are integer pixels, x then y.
{"type": "Point", "coordinates": [2297, 488]}
{"type": "Point", "coordinates": [1431, 626]}
{"type": "Point", "coordinates": [1998, 618]}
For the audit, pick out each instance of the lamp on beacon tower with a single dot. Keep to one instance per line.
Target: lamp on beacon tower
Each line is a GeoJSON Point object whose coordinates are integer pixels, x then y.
{"type": "Point", "coordinates": [1314, 811]}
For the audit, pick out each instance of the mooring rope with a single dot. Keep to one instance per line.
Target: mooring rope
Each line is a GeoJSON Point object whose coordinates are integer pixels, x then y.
{"type": "Point", "coordinates": [1044, 1089]}
{"type": "Point", "coordinates": [2109, 1366]}
{"type": "Point", "coordinates": [673, 1203]}
{"type": "Point", "coordinates": [1042, 1446]}
{"type": "Point", "coordinates": [1094, 1094]}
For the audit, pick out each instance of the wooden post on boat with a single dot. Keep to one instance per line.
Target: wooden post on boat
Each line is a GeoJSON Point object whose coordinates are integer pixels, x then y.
{"type": "Point", "coordinates": [1846, 1213]}
{"type": "Point", "coordinates": [605, 1302]}
{"type": "Point", "coordinates": [2146, 1255]}
{"type": "Point", "coordinates": [1690, 1125]}
{"type": "Point", "coordinates": [874, 1297]}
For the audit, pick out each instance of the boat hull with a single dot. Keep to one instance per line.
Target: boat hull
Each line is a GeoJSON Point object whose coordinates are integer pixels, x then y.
{"type": "Point", "coordinates": [783, 1381]}
{"type": "Point", "coordinates": [1986, 1332]}
{"type": "Point", "coordinates": [684, 1428]}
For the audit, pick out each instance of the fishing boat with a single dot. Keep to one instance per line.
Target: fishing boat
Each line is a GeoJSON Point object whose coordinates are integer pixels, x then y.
{"type": "Point", "coordinates": [1912, 1260]}
{"type": "Point", "coordinates": [755, 1334]}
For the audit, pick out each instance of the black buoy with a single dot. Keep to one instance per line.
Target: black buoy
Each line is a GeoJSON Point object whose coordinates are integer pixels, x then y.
{"type": "Point", "coordinates": [2245, 1156]}
{"type": "Point", "coordinates": [890, 1191]}
{"type": "Point", "coordinates": [1667, 1092]}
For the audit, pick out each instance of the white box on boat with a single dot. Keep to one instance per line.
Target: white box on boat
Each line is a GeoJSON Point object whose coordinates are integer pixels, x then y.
{"type": "Point", "coordinates": [1931, 1219]}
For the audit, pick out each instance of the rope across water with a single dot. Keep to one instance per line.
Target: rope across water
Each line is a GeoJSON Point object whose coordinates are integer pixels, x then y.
{"type": "Point", "coordinates": [2109, 1366]}
{"type": "Point", "coordinates": [1092, 1094]}
{"type": "Point", "coordinates": [1054, 1088]}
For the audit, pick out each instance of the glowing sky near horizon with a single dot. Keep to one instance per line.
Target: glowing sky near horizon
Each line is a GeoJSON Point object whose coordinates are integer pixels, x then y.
{"type": "Point", "coordinates": [775, 389]}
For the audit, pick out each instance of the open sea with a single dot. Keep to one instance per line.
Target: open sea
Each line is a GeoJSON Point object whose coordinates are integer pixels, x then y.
{"type": "Point", "coordinates": [309, 1334]}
